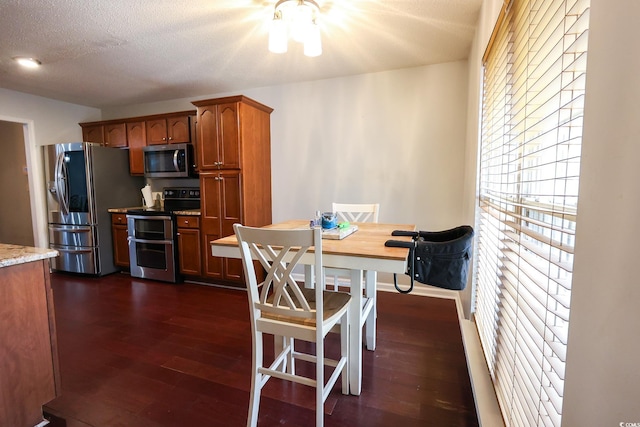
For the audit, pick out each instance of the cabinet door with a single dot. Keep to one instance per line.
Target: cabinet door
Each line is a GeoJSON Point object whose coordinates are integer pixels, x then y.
{"type": "Point", "coordinates": [120, 243]}
{"type": "Point", "coordinates": [189, 251]}
{"type": "Point", "coordinates": [231, 201]}
{"type": "Point", "coordinates": [93, 133]}
{"type": "Point", "coordinates": [210, 224]}
{"type": "Point", "coordinates": [229, 136]}
{"type": "Point", "coordinates": [231, 213]}
{"type": "Point", "coordinates": [29, 373]}
{"type": "Point", "coordinates": [221, 207]}
{"type": "Point", "coordinates": [120, 246]}
{"type": "Point", "coordinates": [156, 132]}
{"type": "Point", "coordinates": [137, 137]}
{"type": "Point", "coordinates": [207, 136]}
{"type": "Point", "coordinates": [178, 130]}
{"type": "Point", "coordinates": [115, 135]}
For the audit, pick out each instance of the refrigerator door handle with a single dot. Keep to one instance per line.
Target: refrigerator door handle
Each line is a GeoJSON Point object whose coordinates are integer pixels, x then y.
{"type": "Point", "coordinates": [67, 229]}
{"type": "Point", "coordinates": [61, 184]}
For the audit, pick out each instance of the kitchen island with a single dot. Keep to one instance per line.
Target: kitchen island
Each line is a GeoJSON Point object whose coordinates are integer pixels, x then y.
{"type": "Point", "coordinates": [29, 373]}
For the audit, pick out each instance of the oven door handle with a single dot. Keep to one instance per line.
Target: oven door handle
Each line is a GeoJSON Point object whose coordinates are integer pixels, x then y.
{"type": "Point", "coordinates": [156, 242]}
{"type": "Point", "coordinates": [150, 217]}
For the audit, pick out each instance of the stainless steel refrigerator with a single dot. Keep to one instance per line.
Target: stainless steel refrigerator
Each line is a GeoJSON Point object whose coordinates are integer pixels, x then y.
{"type": "Point", "coordinates": [84, 180]}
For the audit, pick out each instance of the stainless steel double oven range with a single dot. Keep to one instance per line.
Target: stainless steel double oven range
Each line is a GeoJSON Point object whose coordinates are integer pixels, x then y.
{"type": "Point", "coordinates": [153, 248]}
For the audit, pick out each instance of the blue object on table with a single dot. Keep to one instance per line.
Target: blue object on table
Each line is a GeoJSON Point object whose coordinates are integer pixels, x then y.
{"type": "Point", "coordinates": [329, 220]}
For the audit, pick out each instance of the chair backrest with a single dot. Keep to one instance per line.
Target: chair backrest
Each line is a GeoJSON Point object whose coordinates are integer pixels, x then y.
{"type": "Point", "coordinates": [357, 212]}
{"type": "Point", "coordinates": [279, 251]}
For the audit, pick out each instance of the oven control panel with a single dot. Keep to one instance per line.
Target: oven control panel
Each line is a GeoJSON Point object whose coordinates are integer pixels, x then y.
{"type": "Point", "coordinates": [181, 198]}
{"type": "Point", "coordinates": [181, 193]}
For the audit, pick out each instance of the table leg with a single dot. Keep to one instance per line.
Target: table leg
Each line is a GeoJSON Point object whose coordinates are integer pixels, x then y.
{"type": "Point", "coordinates": [309, 277]}
{"type": "Point", "coordinates": [370, 292]}
{"type": "Point", "coordinates": [355, 333]}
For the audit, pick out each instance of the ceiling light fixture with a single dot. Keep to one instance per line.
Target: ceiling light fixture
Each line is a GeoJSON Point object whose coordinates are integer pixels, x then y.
{"type": "Point", "coordinates": [298, 19]}
{"type": "Point", "coordinates": [27, 62]}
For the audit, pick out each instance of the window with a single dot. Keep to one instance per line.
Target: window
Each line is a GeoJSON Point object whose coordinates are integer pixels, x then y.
{"type": "Point", "coordinates": [534, 80]}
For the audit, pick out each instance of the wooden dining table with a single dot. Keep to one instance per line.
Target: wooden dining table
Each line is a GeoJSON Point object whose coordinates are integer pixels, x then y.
{"type": "Point", "coordinates": [362, 253]}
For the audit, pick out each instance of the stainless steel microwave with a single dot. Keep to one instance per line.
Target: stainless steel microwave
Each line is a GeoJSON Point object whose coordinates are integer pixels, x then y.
{"type": "Point", "coordinates": [168, 161]}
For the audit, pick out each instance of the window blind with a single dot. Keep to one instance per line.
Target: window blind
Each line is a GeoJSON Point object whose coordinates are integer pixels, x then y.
{"type": "Point", "coordinates": [533, 95]}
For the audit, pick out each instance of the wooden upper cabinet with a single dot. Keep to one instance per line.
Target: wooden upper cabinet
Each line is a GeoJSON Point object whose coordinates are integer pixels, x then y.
{"type": "Point", "coordinates": [137, 132]}
{"type": "Point", "coordinates": [178, 129]}
{"type": "Point", "coordinates": [115, 135]}
{"type": "Point", "coordinates": [207, 137]}
{"type": "Point", "coordinates": [219, 136]}
{"type": "Point", "coordinates": [156, 132]}
{"type": "Point", "coordinates": [170, 130]}
{"type": "Point", "coordinates": [92, 132]}
{"type": "Point", "coordinates": [137, 137]}
{"type": "Point", "coordinates": [110, 134]}
{"type": "Point", "coordinates": [229, 136]}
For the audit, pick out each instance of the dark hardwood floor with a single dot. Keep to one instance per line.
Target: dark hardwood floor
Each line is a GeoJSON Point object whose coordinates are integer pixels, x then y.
{"type": "Point", "coordinates": [140, 353]}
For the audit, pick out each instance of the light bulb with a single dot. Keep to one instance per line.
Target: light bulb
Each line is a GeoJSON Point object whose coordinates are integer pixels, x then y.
{"type": "Point", "coordinates": [278, 36]}
{"type": "Point", "coordinates": [313, 43]}
{"type": "Point", "coordinates": [302, 21]}
{"type": "Point", "coordinates": [27, 62]}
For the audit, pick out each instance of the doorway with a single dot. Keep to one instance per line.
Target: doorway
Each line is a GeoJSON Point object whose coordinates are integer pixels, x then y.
{"type": "Point", "coordinates": [16, 219]}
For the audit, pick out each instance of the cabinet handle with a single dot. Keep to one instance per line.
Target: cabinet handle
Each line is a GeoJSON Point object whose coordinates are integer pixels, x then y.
{"type": "Point", "coordinates": [177, 234]}
{"type": "Point", "coordinates": [170, 138]}
{"type": "Point", "coordinates": [164, 139]}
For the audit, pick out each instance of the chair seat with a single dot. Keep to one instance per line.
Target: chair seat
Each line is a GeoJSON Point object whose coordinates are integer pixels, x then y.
{"type": "Point", "coordinates": [333, 303]}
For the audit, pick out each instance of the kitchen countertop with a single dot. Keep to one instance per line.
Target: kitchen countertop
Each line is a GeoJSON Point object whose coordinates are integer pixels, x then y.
{"type": "Point", "coordinates": [190, 212]}
{"type": "Point", "coordinates": [17, 254]}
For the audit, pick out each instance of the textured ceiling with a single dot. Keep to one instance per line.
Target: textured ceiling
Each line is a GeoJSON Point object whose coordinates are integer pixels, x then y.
{"type": "Point", "coordinates": [120, 52]}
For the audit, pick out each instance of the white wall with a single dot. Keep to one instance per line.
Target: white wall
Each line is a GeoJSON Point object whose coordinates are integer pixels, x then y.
{"type": "Point", "coordinates": [53, 121]}
{"type": "Point", "coordinates": [394, 137]}
{"type": "Point", "coordinates": [45, 122]}
{"type": "Point", "coordinates": [602, 385]}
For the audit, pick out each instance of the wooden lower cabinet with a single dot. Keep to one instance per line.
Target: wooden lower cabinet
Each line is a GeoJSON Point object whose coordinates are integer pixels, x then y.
{"type": "Point", "coordinates": [221, 207]}
{"type": "Point", "coordinates": [29, 370]}
{"type": "Point", "coordinates": [120, 242]}
{"type": "Point", "coordinates": [189, 252]}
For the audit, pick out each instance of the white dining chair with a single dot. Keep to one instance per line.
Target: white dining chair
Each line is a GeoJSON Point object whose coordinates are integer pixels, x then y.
{"type": "Point", "coordinates": [282, 307]}
{"type": "Point", "coordinates": [358, 212]}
